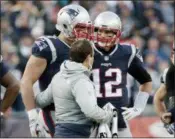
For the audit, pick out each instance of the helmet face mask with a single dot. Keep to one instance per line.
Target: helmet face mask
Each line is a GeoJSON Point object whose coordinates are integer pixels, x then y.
{"type": "Point", "coordinates": [107, 29]}
{"type": "Point", "coordinates": [107, 37]}
{"type": "Point", "coordinates": [84, 31]}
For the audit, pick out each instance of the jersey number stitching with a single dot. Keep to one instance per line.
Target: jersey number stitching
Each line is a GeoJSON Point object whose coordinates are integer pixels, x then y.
{"type": "Point", "coordinates": [108, 85]}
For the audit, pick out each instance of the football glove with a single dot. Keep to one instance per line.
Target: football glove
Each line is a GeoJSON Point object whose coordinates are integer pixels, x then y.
{"type": "Point", "coordinates": [36, 129]}
{"type": "Point", "coordinates": [139, 106]}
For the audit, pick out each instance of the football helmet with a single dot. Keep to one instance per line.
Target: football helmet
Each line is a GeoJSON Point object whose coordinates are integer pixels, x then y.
{"type": "Point", "coordinates": [72, 16]}
{"type": "Point", "coordinates": [108, 22]}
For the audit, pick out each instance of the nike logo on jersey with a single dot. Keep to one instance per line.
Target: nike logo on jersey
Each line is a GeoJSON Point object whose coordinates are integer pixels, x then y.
{"type": "Point", "coordinates": [106, 64]}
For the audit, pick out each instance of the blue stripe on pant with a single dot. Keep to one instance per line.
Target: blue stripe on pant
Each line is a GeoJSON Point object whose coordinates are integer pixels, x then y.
{"type": "Point", "coordinates": [49, 121]}
{"type": "Point", "coordinates": [67, 130]}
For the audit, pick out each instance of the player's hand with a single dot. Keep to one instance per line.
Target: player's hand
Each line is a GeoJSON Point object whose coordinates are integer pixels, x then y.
{"type": "Point", "coordinates": [36, 129]}
{"type": "Point", "coordinates": [170, 128]}
{"type": "Point", "coordinates": [130, 113]}
{"type": "Point", "coordinates": [166, 117]}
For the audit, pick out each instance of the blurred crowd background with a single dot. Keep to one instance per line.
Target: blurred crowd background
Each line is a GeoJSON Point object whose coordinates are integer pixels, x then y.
{"type": "Point", "coordinates": [147, 24]}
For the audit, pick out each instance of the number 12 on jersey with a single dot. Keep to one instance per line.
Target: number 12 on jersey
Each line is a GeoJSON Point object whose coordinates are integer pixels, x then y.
{"type": "Point", "coordinates": [108, 85]}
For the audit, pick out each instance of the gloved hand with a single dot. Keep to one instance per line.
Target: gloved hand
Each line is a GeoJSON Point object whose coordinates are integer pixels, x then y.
{"type": "Point", "coordinates": [111, 109]}
{"type": "Point", "coordinates": [36, 128]}
{"type": "Point", "coordinates": [131, 113]}
{"type": "Point", "coordinates": [139, 106]}
{"type": "Point", "coordinates": [170, 128]}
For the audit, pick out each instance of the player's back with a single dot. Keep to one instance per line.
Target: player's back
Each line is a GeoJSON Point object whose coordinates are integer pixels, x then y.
{"type": "Point", "coordinates": [55, 52]}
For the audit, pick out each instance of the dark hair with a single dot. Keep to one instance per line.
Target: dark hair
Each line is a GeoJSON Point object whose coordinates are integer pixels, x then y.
{"type": "Point", "coordinates": [80, 50]}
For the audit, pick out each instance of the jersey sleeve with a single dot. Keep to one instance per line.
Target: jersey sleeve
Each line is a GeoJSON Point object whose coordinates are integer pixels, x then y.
{"type": "Point", "coordinates": [44, 48]}
{"type": "Point", "coordinates": [163, 77]}
{"type": "Point", "coordinates": [4, 69]}
{"type": "Point", "coordinates": [137, 69]}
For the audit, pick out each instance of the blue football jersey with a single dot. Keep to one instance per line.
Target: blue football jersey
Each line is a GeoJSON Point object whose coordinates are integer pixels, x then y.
{"type": "Point", "coordinates": [109, 75]}
{"type": "Point", "coordinates": [55, 52]}
{"type": "Point", "coordinates": [4, 69]}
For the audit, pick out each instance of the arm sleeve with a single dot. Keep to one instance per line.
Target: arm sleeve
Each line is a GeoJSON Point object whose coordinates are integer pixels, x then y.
{"type": "Point", "coordinates": [42, 48]}
{"type": "Point", "coordinates": [4, 69]}
{"type": "Point", "coordinates": [45, 97]}
{"type": "Point", "coordinates": [137, 69]}
{"type": "Point", "coordinates": [84, 93]}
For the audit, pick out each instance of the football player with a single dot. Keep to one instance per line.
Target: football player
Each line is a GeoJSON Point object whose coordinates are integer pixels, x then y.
{"type": "Point", "coordinates": [12, 89]}
{"type": "Point", "coordinates": [164, 99]}
{"type": "Point", "coordinates": [11, 84]}
{"type": "Point", "coordinates": [112, 62]}
{"type": "Point", "coordinates": [48, 53]}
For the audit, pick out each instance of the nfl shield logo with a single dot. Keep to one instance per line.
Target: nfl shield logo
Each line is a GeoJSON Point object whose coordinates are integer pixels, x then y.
{"type": "Point", "coordinates": [106, 58]}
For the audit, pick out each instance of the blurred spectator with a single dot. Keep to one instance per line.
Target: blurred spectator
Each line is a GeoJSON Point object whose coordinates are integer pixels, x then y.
{"type": "Point", "coordinates": [25, 47]}
{"type": "Point", "coordinates": [99, 7]}
{"type": "Point", "coordinates": [124, 9]}
{"type": "Point", "coordinates": [139, 42]}
{"type": "Point", "coordinates": [6, 29]}
{"type": "Point", "coordinates": [151, 60]}
{"type": "Point", "coordinates": [153, 47]}
{"type": "Point", "coordinates": [162, 65]}
{"type": "Point", "coordinates": [168, 12]}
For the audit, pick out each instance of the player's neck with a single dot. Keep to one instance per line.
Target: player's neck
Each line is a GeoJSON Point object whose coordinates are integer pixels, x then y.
{"type": "Point", "coordinates": [106, 50]}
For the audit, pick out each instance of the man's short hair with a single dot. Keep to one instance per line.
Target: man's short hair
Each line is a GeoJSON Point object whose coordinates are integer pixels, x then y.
{"type": "Point", "coordinates": [80, 50]}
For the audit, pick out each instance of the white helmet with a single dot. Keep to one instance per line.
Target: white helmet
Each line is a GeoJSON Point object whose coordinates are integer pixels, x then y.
{"type": "Point", "coordinates": [108, 21]}
{"type": "Point", "coordinates": [69, 17]}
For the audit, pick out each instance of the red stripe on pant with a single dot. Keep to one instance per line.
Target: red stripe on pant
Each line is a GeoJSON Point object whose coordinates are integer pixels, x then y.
{"type": "Point", "coordinates": [49, 122]}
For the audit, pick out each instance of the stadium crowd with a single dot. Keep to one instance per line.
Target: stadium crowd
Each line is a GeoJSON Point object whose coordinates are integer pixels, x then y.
{"type": "Point", "coordinates": [147, 24]}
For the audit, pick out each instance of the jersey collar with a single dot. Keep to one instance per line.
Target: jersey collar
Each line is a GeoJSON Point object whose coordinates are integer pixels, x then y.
{"type": "Point", "coordinates": [102, 52]}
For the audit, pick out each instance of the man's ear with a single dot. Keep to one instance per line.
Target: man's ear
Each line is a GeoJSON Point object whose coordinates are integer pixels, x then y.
{"type": "Point", "coordinates": [87, 58]}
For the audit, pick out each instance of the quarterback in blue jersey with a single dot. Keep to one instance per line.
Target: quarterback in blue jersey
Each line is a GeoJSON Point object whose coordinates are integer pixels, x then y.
{"type": "Point", "coordinates": [48, 53]}
{"type": "Point", "coordinates": [112, 62]}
